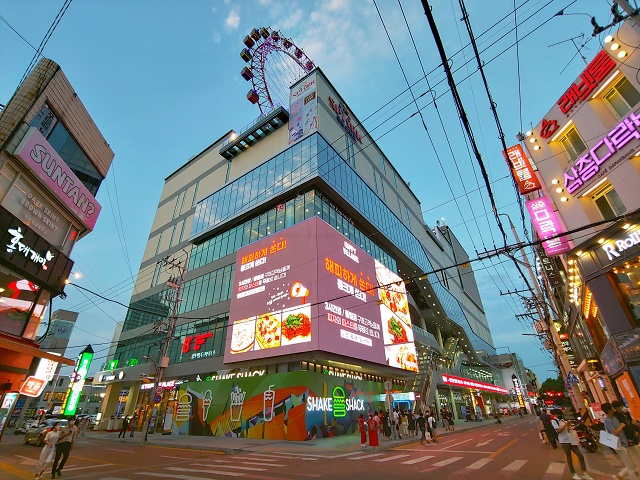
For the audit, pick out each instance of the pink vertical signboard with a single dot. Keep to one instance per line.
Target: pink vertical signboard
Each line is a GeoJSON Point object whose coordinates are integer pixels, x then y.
{"type": "Point", "coordinates": [547, 226]}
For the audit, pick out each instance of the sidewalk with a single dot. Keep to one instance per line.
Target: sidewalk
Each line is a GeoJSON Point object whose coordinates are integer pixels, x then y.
{"type": "Point", "coordinates": [341, 443]}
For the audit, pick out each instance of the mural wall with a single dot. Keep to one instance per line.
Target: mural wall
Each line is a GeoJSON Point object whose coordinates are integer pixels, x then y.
{"type": "Point", "coordinates": [285, 406]}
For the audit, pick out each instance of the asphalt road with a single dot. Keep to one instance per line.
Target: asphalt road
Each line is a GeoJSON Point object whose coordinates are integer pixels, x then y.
{"type": "Point", "coordinates": [494, 452]}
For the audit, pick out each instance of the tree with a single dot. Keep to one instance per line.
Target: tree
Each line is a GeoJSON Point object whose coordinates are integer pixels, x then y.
{"type": "Point", "coordinates": [554, 389]}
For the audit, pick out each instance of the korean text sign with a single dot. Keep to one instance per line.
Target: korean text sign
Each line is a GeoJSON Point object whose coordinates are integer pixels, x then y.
{"type": "Point", "coordinates": [309, 288]}
{"type": "Point", "coordinates": [547, 225]}
{"type": "Point", "coordinates": [521, 169]}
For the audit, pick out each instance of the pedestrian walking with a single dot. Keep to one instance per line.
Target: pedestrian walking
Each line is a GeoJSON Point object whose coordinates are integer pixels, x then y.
{"type": "Point", "coordinates": [613, 426]}
{"type": "Point", "coordinates": [449, 415]}
{"type": "Point", "coordinates": [49, 449]}
{"type": "Point", "coordinates": [84, 425]}
{"type": "Point", "coordinates": [372, 427]}
{"type": "Point", "coordinates": [63, 447]}
{"type": "Point", "coordinates": [569, 442]}
{"type": "Point", "coordinates": [404, 424]}
{"type": "Point", "coordinates": [134, 424]}
{"type": "Point", "coordinates": [395, 424]}
{"type": "Point", "coordinates": [545, 419]}
{"type": "Point", "coordinates": [422, 425]}
{"type": "Point", "coordinates": [432, 423]}
{"type": "Point", "coordinates": [411, 418]}
{"type": "Point", "coordinates": [363, 431]}
{"type": "Point", "coordinates": [123, 430]}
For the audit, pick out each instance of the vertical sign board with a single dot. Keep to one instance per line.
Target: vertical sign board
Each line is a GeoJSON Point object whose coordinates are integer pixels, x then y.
{"type": "Point", "coordinates": [521, 170]}
{"type": "Point", "coordinates": [79, 376]}
{"type": "Point", "coordinates": [548, 226]}
{"type": "Point", "coordinates": [6, 407]}
{"type": "Point", "coordinates": [303, 109]}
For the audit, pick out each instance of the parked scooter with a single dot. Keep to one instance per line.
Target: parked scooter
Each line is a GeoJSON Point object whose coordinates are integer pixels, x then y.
{"type": "Point", "coordinates": [585, 435]}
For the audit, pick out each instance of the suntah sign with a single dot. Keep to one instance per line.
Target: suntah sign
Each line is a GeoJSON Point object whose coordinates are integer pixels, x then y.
{"type": "Point", "coordinates": [592, 164]}
{"type": "Point", "coordinates": [547, 225]}
{"type": "Point", "coordinates": [40, 156]}
{"type": "Point", "coordinates": [589, 79]}
{"type": "Point", "coordinates": [521, 170]}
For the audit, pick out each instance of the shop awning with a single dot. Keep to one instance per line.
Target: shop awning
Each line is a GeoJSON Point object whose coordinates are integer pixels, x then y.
{"type": "Point", "coordinates": [33, 351]}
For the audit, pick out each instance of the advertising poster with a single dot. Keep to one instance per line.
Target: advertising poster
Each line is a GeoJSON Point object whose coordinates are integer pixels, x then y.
{"type": "Point", "coordinates": [303, 109]}
{"type": "Point", "coordinates": [309, 288]}
{"type": "Point", "coordinates": [286, 406]}
{"type": "Point", "coordinates": [629, 393]}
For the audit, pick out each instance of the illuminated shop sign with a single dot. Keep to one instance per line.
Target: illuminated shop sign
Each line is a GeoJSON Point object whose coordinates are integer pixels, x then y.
{"type": "Point", "coordinates": [548, 128]}
{"type": "Point", "coordinates": [78, 378]}
{"type": "Point", "coordinates": [31, 256]}
{"type": "Point", "coordinates": [195, 343]}
{"type": "Point", "coordinates": [521, 170]}
{"type": "Point", "coordinates": [549, 268]}
{"type": "Point", "coordinates": [467, 383]}
{"type": "Point", "coordinates": [110, 377]}
{"type": "Point", "coordinates": [314, 290]}
{"type": "Point", "coordinates": [547, 225]}
{"type": "Point", "coordinates": [397, 397]}
{"type": "Point", "coordinates": [614, 249]}
{"type": "Point", "coordinates": [36, 152]}
{"type": "Point", "coordinates": [339, 405]}
{"type": "Point", "coordinates": [589, 79]}
{"type": "Point", "coordinates": [344, 118]}
{"type": "Point", "coordinates": [352, 376]}
{"type": "Point", "coordinates": [590, 166]}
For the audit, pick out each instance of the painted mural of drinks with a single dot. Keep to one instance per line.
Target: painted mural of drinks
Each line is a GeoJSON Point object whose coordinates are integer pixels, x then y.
{"type": "Point", "coordinates": [269, 397]}
{"type": "Point", "coordinates": [236, 402]}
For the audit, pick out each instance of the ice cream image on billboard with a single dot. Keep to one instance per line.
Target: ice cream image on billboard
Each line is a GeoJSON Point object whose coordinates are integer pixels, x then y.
{"type": "Point", "coordinates": [299, 291]}
{"type": "Point", "coordinates": [206, 403]}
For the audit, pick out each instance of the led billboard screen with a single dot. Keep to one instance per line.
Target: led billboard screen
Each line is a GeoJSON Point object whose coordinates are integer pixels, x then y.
{"type": "Point", "coordinates": [309, 288]}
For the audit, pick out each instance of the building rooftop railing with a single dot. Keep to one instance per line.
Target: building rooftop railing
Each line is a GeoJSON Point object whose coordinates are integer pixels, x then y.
{"type": "Point", "coordinates": [250, 125]}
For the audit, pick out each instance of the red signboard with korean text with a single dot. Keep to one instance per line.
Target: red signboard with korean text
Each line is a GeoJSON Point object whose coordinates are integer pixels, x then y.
{"type": "Point", "coordinates": [309, 288]}
{"type": "Point", "coordinates": [522, 170]}
{"type": "Point", "coordinates": [589, 79]}
{"type": "Point", "coordinates": [32, 387]}
{"type": "Point", "coordinates": [468, 383]}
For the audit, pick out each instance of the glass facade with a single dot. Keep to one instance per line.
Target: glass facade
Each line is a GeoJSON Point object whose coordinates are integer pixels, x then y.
{"type": "Point", "coordinates": [140, 312]}
{"type": "Point", "coordinates": [63, 143]}
{"type": "Point", "coordinates": [207, 289]}
{"type": "Point", "coordinates": [312, 157]}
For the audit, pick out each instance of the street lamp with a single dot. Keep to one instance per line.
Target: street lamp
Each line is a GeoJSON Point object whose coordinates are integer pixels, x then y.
{"type": "Point", "coordinates": [149, 403]}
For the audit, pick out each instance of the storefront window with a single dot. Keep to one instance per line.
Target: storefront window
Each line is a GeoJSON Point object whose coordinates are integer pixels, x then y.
{"type": "Point", "coordinates": [22, 305]}
{"type": "Point", "coordinates": [628, 282]}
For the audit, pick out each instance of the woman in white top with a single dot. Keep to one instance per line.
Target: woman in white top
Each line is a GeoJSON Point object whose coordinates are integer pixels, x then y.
{"type": "Point", "coordinates": [48, 450]}
{"type": "Point", "coordinates": [569, 442]}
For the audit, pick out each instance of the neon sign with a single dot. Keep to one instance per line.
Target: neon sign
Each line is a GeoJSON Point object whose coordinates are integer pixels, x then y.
{"type": "Point", "coordinates": [521, 170]}
{"type": "Point", "coordinates": [326, 404]}
{"type": "Point", "coordinates": [16, 244]}
{"type": "Point", "coordinates": [78, 378]}
{"type": "Point", "coordinates": [547, 225]}
{"type": "Point", "coordinates": [614, 250]}
{"type": "Point", "coordinates": [465, 382]}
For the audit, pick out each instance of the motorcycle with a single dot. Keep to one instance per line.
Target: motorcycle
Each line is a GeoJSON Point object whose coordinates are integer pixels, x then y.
{"type": "Point", "coordinates": [585, 435]}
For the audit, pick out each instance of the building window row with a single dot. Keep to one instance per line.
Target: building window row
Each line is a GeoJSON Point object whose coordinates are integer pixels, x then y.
{"type": "Point", "coordinates": [207, 289]}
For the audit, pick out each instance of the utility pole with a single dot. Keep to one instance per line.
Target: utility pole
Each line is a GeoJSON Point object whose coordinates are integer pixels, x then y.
{"type": "Point", "coordinates": [177, 270]}
{"type": "Point", "coordinates": [561, 356]}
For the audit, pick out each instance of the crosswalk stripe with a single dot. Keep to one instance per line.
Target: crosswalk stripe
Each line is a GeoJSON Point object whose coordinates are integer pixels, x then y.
{"type": "Point", "coordinates": [447, 461]}
{"type": "Point", "coordinates": [209, 471]}
{"type": "Point", "coordinates": [514, 466]}
{"type": "Point", "coordinates": [170, 475]}
{"type": "Point", "coordinates": [479, 464]}
{"type": "Point", "coordinates": [388, 459]}
{"type": "Point", "coordinates": [237, 467]}
{"type": "Point", "coordinates": [90, 466]}
{"type": "Point", "coordinates": [417, 460]}
{"type": "Point", "coordinates": [269, 457]}
{"type": "Point", "coordinates": [365, 456]}
{"type": "Point", "coordinates": [556, 468]}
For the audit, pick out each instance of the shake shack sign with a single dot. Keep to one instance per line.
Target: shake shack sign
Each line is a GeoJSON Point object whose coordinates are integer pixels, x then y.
{"type": "Point", "coordinates": [29, 255]}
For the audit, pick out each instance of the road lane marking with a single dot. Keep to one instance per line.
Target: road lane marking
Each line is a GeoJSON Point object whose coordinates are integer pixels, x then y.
{"type": "Point", "coordinates": [479, 464]}
{"type": "Point", "coordinates": [459, 443]}
{"type": "Point", "coordinates": [417, 460]}
{"type": "Point", "coordinates": [447, 461]}
{"type": "Point", "coordinates": [514, 466]}
{"type": "Point", "coordinates": [193, 470]}
{"type": "Point", "coordinates": [482, 444]}
{"type": "Point", "coordinates": [236, 467]}
{"type": "Point", "coordinates": [269, 457]}
{"type": "Point", "coordinates": [27, 460]}
{"type": "Point", "coordinates": [556, 468]}
{"type": "Point", "coordinates": [365, 456]}
{"type": "Point", "coordinates": [500, 450]}
{"type": "Point", "coordinates": [208, 452]}
{"type": "Point", "coordinates": [168, 475]}
{"type": "Point", "coordinates": [90, 466]}
{"type": "Point", "coordinates": [388, 459]}
{"type": "Point", "coordinates": [118, 450]}
{"type": "Point", "coordinates": [15, 471]}
{"type": "Point", "coordinates": [485, 434]}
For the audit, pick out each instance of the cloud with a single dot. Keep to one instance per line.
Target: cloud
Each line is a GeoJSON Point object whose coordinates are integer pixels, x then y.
{"type": "Point", "coordinates": [233, 19]}
{"type": "Point", "coordinates": [265, 2]}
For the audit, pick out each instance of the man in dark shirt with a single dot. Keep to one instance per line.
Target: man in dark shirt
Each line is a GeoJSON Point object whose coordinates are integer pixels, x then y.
{"type": "Point", "coordinates": [545, 418]}
{"type": "Point", "coordinates": [422, 425]}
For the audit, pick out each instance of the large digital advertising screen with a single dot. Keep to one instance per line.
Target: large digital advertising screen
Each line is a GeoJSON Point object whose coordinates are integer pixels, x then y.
{"type": "Point", "coordinates": [309, 288]}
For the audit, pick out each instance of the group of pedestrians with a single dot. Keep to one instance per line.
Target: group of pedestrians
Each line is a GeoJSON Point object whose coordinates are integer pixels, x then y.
{"type": "Point", "coordinates": [126, 423]}
{"type": "Point", "coordinates": [57, 446]}
{"type": "Point", "coordinates": [447, 419]}
{"type": "Point", "coordinates": [393, 425]}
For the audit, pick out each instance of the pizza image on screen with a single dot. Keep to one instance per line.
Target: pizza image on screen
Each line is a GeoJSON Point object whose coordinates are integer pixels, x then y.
{"type": "Point", "coordinates": [268, 331]}
{"type": "Point", "coordinates": [296, 325]}
{"type": "Point", "coordinates": [243, 336]}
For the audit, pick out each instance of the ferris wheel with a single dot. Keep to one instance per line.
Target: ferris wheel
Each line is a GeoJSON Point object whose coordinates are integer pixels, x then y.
{"type": "Point", "coordinates": [274, 64]}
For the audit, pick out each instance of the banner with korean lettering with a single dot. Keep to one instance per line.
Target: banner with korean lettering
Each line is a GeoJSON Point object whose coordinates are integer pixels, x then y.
{"type": "Point", "coordinates": [547, 225]}
{"type": "Point", "coordinates": [309, 288]}
{"type": "Point", "coordinates": [521, 169]}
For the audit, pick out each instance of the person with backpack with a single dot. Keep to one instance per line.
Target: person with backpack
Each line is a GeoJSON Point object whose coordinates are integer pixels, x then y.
{"type": "Point", "coordinates": [422, 425]}
{"type": "Point", "coordinates": [569, 442]}
{"type": "Point", "coordinates": [432, 423]}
